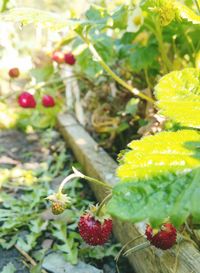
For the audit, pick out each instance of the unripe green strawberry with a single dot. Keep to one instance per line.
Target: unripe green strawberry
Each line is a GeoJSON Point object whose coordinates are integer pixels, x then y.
{"type": "Point", "coordinates": [60, 202]}
{"type": "Point", "coordinates": [57, 208]}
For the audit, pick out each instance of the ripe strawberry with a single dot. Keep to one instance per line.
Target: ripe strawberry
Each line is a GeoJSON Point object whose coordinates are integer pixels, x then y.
{"type": "Point", "coordinates": [58, 56]}
{"type": "Point", "coordinates": [164, 239]}
{"type": "Point", "coordinates": [69, 58]}
{"type": "Point", "coordinates": [14, 72]}
{"type": "Point", "coordinates": [48, 101]}
{"type": "Point", "coordinates": [26, 100]}
{"type": "Point", "coordinates": [57, 208]}
{"type": "Point", "coordinates": [94, 232]}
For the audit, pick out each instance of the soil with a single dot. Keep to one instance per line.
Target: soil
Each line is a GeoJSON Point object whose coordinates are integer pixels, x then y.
{"type": "Point", "coordinates": [20, 149]}
{"type": "Point", "coordinates": [12, 255]}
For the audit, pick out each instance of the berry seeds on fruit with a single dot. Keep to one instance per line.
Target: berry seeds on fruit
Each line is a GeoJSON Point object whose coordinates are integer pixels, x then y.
{"type": "Point", "coordinates": [164, 239]}
{"type": "Point", "coordinates": [95, 227]}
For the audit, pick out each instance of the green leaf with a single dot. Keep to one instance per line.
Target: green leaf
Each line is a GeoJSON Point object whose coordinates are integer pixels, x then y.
{"type": "Point", "coordinates": [132, 106]}
{"type": "Point", "coordinates": [35, 16]}
{"type": "Point", "coordinates": [88, 65]}
{"type": "Point", "coordinates": [178, 95]}
{"type": "Point", "coordinates": [164, 153]}
{"type": "Point", "coordinates": [43, 73]}
{"type": "Point", "coordinates": [120, 17]}
{"type": "Point", "coordinates": [174, 196]}
{"type": "Point", "coordinates": [9, 268]}
{"type": "Point", "coordinates": [186, 13]}
{"type": "Point", "coordinates": [142, 57]}
{"type": "Point", "coordinates": [105, 47]}
{"type": "Point", "coordinates": [96, 13]}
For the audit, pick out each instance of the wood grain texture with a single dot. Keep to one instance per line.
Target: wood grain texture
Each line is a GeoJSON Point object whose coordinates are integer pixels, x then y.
{"type": "Point", "coordinates": [97, 163]}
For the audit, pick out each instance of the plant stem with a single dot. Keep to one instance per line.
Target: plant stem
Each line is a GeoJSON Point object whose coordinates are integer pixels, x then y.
{"type": "Point", "coordinates": [103, 203]}
{"type": "Point", "coordinates": [137, 248]}
{"type": "Point", "coordinates": [147, 78]}
{"type": "Point", "coordinates": [78, 174]}
{"type": "Point", "coordinates": [97, 182]}
{"type": "Point", "coordinates": [124, 247]}
{"type": "Point", "coordinates": [67, 179]}
{"type": "Point", "coordinates": [99, 59]}
{"type": "Point", "coordinates": [159, 37]}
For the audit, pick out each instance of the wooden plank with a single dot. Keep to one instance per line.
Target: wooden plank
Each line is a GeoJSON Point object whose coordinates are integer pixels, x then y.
{"type": "Point", "coordinates": [97, 163]}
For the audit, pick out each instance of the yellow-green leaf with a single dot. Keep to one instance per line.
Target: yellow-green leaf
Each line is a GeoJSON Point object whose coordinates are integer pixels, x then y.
{"type": "Point", "coordinates": [35, 16]}
{"type": "Point", "coordinates": [186, 13]}
{"type": "Point", "coordinates": [164, 153]}
{"type": "Point", "coordinates": [178, 95]}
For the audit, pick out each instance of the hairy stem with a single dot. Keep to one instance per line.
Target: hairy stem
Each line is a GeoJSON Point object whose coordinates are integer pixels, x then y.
{"type": "Point", "coordinates": [78, 174]}
{"type": "Point", "coordinates": [159, 37]}
{"type": "Point", "coordinates": [105, 200]}
{"type": "Point", "coordinates": [97, 182]}
{"type": "Point", "coordinates": [137, 248]}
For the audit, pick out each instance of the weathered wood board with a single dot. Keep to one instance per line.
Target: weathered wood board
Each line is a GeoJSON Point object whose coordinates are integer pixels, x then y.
{"type": "Point", "coordinates": [98, 164]}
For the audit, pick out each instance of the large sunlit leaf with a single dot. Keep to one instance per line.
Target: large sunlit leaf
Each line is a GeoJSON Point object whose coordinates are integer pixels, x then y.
{"type": "Point", "coordinates": [36, 16]}
{"type": "Point", "coordinates": [178, 95]}
{"type": "Point", "coordinates": [186, 13]}
{"type": "Point", "coordinates": [159, 179]}
{"type": "Point", "coordinates": [166, 152]}
{"type": "Point", "coordinates": [171, 196]}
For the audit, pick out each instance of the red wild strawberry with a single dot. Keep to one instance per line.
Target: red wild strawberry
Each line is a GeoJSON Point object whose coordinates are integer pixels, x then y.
{"type": "Point", "coordinates": [14, 72]}
{"type": "Point", "coordinates": [58, 56]}
{"type": "Point", "coordinates": [69, 58]}
{"type": "Point", "coordinates": [164, 239]}
{"type": "Point", "coordinates": [48, 101]}
{"type": "Point", "coordinates": [94, 232]}
{"type": "Point", "coordinates": [26, 100]}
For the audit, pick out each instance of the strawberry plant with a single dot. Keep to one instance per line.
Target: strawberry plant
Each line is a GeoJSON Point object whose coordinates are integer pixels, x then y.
{"type": "Point", "coordinates": [160, 174]}
{"type": "Point", "coordinates": [150, 50]}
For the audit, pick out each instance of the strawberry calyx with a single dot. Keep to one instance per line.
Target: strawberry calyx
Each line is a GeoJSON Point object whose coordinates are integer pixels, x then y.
{"type": "Point", "coordinates": [98, 213]}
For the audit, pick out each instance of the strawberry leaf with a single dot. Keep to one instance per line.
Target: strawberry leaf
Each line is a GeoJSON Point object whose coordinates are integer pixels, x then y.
{"type": "Point", "coordinates": [159, 179]}
{"type": "Point", "coordinates": [35, 16]}
{"type": "Point", "coordinates": [186, 13]}
{"type": "Point", "coordinates": [178, 95]}
{"type": "Point", "coordinates": [164, 153]}
{"type": "Point", "coordinates": [143, 57]}
{"type": "Point", "coordinates": [174, 196]}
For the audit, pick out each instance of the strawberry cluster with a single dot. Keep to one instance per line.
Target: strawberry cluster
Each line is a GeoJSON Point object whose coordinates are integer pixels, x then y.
{"type": "Point", "coordinates": [27, 100]}
{"type": "Point", "coordinates": [61, 57]}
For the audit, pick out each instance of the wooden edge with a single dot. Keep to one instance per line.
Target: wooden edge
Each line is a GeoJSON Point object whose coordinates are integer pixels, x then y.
{"type": "Point", "coordinates": [184, 258]}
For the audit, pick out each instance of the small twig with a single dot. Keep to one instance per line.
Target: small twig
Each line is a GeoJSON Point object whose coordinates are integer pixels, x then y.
{"type": "Point", "coordinates": [176, 259]}
{"type": "Point", "coordinates": [28, 258]}
{"type": "Point", "coordinates": [124, 247]}
{"type": "Point", "coordinates": [137, 248]}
